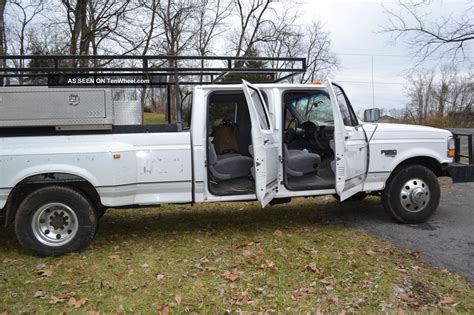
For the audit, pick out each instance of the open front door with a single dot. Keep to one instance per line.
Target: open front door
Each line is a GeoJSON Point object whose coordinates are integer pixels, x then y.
{"type": "Point", "coordinates": [350, 145]}
{"type": "Point", "coordinates": [265, 146]}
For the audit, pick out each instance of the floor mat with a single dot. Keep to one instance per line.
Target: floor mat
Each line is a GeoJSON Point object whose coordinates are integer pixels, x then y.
{"type": "Point", "coordinates": [236, 186]}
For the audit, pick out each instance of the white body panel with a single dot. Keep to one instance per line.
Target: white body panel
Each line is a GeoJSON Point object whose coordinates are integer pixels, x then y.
{"type": "Point", "coordinates": [152, 168]}
{"type": "Point", "coordinates": [156, 168]}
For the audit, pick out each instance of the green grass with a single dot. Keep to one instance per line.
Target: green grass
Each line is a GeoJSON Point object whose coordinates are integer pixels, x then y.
{"type": "Point", "coordinates": [230, 257]}
{"type": "Point", "coordinates": [155, 118]}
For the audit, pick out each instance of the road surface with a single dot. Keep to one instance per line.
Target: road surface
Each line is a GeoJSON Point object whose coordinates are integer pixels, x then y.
{"type": "Point", "coordinates": [446, 240]}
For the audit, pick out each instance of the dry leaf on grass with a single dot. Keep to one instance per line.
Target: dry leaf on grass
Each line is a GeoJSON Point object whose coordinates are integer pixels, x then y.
{"type": "Point", "coordinates": [45, 273]}
{"type": "Point", "coordinates": [268, 265]}
{"type": "Point", "coordinates": [178, 299]}
{"type": "Point", "coordinates": [164, 309]}
{"type": "Point", "coordinates": [313, 268]}
{"type": "Point", "coordinates": [231, 276]}
{"type": "Point", "coordinates": [40, 294]}
{"type": "Point", "coordinates": [370, 252]}
{"type": "Point", "coordinates": [56, 300]}
{"type": "Point", "coordinates": [72, 302]}
{"type": "Point", "coordinates": [115, 258]}
{"type": "Point", "coordinates": [447, 299]}
{"type": "Point", "coordinates": [278, 233]}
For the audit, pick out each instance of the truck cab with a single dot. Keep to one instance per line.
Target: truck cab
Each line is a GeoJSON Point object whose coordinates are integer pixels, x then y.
{"type": "Point", "coordinates": [280, 141]}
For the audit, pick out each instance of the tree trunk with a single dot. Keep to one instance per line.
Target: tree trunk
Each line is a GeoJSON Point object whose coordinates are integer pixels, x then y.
{"type": "Point", "coordinates": [3, 48]}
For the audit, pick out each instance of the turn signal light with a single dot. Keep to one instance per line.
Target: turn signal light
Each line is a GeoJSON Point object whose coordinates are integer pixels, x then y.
{"type": "Point", "coordinates": [116, 156]}
{"type": "Point", "coordinates": [316, 83]}
{"type": "Point", "coordinates": [451, 153]}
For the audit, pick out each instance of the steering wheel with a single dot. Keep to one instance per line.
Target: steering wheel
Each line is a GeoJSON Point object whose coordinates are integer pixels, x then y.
{"type": "Point", "coordinates": [311, 131]}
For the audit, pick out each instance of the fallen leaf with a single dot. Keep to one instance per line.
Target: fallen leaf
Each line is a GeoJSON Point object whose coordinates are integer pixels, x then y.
{"type": "Point", "coordinates": [55, 300]}
{"type": "Point", "coordinates": [145, 265]}
{"type": "Point", "coordinates": [76, 303]}
{"type": "Point", "coordinates": [278, 233]}
{"type": "Point", "coordinates": [370, 252]}
{"type": "Point", "coordinates": [45, 273]}
{"type": "Point", "coordinates": [8, 261]}
{"type": "Point", "coordinates": [268, 265]}
{"type": "Point", "coordinates": [86, 279]}
{"type": "Point", "coordinates": [312, 267]}
{"type": "Point", "coordinates": [164, 310]}
{"type": "Point", "coordinates": [246, 253]}
{"type": "Point", "coordinates": [231, 276]}
{"type": "Point", "coordinates": [160, 277]}
{"type": "Point", "coordinates": [447, 299]}
{"type": "Point", "coordinates": [40, 294]}
{"type": "Point", "coordinates": [416, 254]}
{"type": "Point", "coordinates": [350, 253]}
{"type": "Point", "coordinates": [41, 267]}
{"type": "Point", "coordinates": [178, 299]}
{"type": "Point", "coordinates": [115, 258]}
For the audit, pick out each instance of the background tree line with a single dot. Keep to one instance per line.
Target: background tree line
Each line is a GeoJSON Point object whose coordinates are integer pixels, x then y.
{"type": "Point", "coordinates": [241, 28]}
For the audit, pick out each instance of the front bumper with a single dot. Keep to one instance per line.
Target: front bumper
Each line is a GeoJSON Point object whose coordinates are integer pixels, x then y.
{"type": "Point", "coordinates": [461, 173]}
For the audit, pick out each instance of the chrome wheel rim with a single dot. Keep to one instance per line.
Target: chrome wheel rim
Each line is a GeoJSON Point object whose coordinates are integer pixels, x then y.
{"type": "Point", "coordinates": [415, 195]}
{"type": "Point", "coordinates": [55, 224]}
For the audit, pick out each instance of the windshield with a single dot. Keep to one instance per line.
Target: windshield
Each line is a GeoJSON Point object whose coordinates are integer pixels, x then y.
{"type": "Point", "coordinates": [315, 107]}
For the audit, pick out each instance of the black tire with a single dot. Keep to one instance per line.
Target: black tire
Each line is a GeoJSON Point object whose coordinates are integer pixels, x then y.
{"type": "Point", "coordinates": [357, 197]}
{"type": "Point", "coordinates": [51, 211]}
{"type": "Point", "coordinates": [403, 202]}
{"type": "Point", "coordinates": [101, 211]}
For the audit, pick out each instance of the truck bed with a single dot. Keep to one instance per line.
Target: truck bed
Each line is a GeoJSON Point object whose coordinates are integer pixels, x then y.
{"type": "Point", "coordinates": [126, 168]}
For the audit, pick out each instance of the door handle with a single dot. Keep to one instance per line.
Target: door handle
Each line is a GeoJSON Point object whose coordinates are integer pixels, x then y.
{"type": "Point", "coordinates": [266, 141]}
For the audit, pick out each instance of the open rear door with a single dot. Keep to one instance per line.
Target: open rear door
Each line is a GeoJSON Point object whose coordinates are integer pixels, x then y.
{"type": "Point", "coordinates": [265, 146]}
{"type": "Point", "coordinates": [350, 145]}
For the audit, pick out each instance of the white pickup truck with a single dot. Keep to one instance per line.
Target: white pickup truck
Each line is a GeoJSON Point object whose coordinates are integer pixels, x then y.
{"type": "Point", "coordinates": [265, 142]}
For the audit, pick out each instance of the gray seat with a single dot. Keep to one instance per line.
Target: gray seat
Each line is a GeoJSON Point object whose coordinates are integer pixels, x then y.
{"type": "Point", "coordinates": [299, 163]}
{"type": "Point", "coordinates": [228, 166]}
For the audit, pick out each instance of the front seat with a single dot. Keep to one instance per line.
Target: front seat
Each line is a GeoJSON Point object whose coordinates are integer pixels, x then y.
{"type": "Point", "coordinates": [228, 166]}
{"type": "Point", "coordinates": [299, 163]}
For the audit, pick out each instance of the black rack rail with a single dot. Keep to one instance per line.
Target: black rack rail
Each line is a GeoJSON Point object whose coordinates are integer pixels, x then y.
{"type": "Point", "coordinates": [156, 70]}
{"type": "Point", "coordinates": [164, 70]}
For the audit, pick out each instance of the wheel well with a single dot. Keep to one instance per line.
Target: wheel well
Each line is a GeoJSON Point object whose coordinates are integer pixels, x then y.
{"type": "Point", "coordinates": [426, 161]}
{"type": "Point", "coordinates": [32, 183]}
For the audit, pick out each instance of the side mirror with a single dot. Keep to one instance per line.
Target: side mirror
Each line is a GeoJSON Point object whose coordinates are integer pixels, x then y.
{"type": "Point", "coordinates": [371, 115]}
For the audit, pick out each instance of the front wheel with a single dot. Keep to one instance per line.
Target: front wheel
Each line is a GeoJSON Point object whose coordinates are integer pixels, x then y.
{"type": "Point", "coordinates": [412, 194]}
{"type": "Point", "coordinates": [54, 221]}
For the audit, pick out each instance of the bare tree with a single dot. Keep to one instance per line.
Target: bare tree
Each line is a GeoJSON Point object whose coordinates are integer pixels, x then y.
{"type": "Point", "coordinates": [444, 96]}
{"type": "Point", "coordinates": [91, 22]}
{"type": "Point", "coordinates": [448, 34]}
{"type": "Point", "coordinates": [2, 27]}
{"type": "Point", "coordinates": [209, 18]}
{"type": "Point", "coordinates": [21, 16]}
{"type": "Point", "coordinates": [253, 15]}
{"type": "Point", "coordinates": [420, 92]}
{"type": "Point", "coordinates": [318, 53]}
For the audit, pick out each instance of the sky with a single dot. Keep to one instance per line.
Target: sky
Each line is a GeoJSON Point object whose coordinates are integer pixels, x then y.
{"type": "Point", "coordinates": [355, 32]}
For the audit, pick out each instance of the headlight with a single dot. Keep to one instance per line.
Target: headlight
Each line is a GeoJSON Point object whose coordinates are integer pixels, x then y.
{"type": "Point", "coordinates": [451, 147]}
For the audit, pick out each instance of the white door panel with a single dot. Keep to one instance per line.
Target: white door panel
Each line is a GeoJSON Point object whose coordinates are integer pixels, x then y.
{"type": "Point", "coordinates": [351, 151]}
{"type": "Point", "coordinates": [265, 145]}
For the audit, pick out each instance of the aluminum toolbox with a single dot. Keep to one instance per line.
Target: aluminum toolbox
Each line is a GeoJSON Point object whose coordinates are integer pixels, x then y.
{"type": "Point", "coordinates": [63, 108]}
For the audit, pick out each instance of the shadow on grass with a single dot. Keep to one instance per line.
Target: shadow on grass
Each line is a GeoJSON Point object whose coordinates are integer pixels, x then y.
{"type": "Point", "coordinates": [214, 218]}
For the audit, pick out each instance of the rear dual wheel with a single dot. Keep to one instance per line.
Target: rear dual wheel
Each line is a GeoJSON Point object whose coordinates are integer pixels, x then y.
{"type": "Point", "coordinates": [55, 220]}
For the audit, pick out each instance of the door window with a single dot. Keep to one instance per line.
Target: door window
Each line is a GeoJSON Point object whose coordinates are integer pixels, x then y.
{"type": "Point", "coordinates": [348, 116]}
{"type": "Point", "coordinates": [263, 119]}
